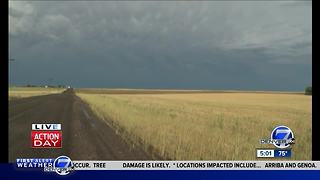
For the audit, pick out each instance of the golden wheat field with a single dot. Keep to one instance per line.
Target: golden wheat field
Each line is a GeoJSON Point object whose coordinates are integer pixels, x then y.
{"type": "Point", "coordinates": [22, 92]}
{"type": "Point", "coordinates": [207, 126]}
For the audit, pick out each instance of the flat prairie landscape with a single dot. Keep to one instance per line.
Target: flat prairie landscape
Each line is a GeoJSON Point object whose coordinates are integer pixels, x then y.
{"type": "Point", "coordinates": [23, 92]}
{"type": "Point", "coordinates": [203, 126]}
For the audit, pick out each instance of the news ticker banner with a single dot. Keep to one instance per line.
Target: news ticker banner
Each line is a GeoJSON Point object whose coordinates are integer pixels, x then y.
{"type": "Point", "coordinates": [196, 165]}
{"type": "Point", "coordinates": [64, 163]}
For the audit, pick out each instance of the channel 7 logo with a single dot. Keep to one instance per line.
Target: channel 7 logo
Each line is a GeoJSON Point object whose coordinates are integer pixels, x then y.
{"type": "Point", "coordinates": [46, 136]}
{"type": "Point", "coordinates": [63, 165]}
{"type": "Point", "coordinates": [283, 135]}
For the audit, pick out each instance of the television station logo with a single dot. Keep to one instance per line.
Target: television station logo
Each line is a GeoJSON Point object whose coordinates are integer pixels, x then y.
{"type": "Point", "coordinates": [62, 165]}
{"type": "Point", "coordinates": [46, 136]}
{"type": "Point", "coordinates": [282, 138]}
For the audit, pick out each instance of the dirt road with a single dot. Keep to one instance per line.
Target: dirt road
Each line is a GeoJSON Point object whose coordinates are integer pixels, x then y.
{"type": "Point", "coordinates": [84, 136]}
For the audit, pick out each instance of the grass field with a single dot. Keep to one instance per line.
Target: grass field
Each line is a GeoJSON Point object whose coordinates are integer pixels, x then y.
{"type": "Point", "coordinates": [206, 126]}
{"type": "Point", "coordinates": [169, 91]}
{"type": "Point", "coordinates": [22, 92]}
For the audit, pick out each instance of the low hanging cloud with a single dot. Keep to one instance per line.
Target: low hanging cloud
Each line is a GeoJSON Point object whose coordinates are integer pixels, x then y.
{"type": "Point", "coordinates": [193, 45]}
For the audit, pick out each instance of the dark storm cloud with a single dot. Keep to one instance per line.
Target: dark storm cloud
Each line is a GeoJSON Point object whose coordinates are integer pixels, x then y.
{"type": "Point", "coordinates": [193, 45]}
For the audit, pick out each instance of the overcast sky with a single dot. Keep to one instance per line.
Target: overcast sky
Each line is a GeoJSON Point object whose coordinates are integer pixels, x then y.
{"type": "Point", "coordinates": [245, 45]}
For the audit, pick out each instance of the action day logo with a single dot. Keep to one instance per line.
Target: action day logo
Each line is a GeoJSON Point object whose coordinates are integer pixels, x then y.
{"type": "Point", "coordinates": [46, 136]}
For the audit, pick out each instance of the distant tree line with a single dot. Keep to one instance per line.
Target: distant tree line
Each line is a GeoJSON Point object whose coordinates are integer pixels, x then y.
{"type": "Point", "coordinates": [30, 85]}
{"type": "Point", "coordinates": [48, 86]}
{"type": "Point", "coordinates": [308, 90]}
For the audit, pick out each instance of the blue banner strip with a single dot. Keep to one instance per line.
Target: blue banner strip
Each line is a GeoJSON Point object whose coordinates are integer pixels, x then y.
{"type": "Point", "coordinates": [8, 171]}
